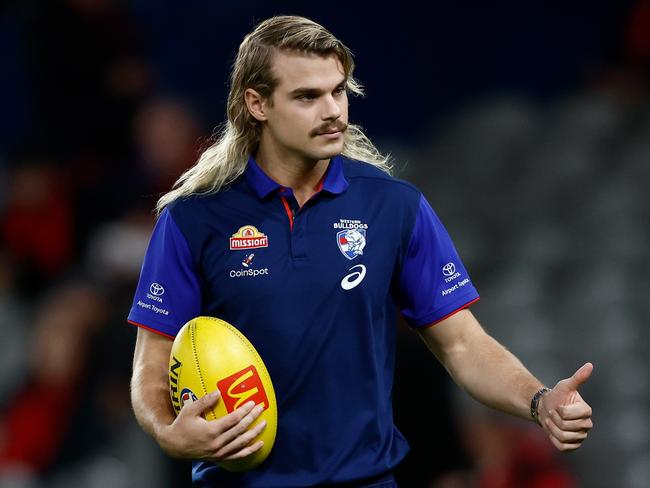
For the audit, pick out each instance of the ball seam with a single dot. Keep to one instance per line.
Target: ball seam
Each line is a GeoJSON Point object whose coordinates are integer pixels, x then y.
{"type": "Point", "coordinates": [244, 340]}
{"type": "Point", "coordinates": [196, 363]}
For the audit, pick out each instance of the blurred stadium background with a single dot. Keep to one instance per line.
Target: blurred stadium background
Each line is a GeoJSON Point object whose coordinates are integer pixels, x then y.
{"type": "Point", "coordinates": [526, 125]}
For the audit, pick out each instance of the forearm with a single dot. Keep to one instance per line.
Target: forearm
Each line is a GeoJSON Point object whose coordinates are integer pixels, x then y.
{"type": "Point", "coordinates": [149, 384]}
{"type": "Point", "coordinates": [493, 375]}
{"type": "Point", "coordinates": [150, 399]}
{"type": "Point", "coordinates": [481, 366]}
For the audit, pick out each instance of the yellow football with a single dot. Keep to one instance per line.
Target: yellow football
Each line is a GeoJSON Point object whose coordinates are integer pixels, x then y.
{"type": "Point", "coordinates": [209, 354]}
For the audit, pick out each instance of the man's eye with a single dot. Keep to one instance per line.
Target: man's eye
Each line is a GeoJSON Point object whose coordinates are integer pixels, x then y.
{"type": "Point", "coordinates": [340, 90]}
{"type": "Point", "coordinates": [306, 97]}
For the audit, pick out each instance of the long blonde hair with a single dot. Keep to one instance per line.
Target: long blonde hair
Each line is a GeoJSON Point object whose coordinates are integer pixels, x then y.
{"type": "Point", "coordinates": [226, 159]}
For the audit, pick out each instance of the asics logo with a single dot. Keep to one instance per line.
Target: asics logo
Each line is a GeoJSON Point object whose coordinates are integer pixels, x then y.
{"type": "Point", "coordinates": [353, 279]}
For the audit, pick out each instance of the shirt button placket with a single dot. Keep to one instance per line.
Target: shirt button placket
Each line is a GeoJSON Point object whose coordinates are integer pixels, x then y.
{"type": "Point", "coordinates": [297, 223]}
{"type": "Point", "coordinates": [299, 231]}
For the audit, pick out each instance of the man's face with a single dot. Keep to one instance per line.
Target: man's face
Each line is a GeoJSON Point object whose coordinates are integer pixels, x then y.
{"type": "Point", "coordinates": [309, 100]}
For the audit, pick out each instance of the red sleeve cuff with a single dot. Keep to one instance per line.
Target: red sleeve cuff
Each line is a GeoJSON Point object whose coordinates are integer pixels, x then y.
{"type": "Point", "coordinates": [452, 313]}
{"type": "Point", "coordinates": [151, 329]}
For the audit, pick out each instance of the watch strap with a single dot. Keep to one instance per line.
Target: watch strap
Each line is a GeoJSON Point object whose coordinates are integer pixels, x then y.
{"type": "Point", "coordinates": [534, 403]}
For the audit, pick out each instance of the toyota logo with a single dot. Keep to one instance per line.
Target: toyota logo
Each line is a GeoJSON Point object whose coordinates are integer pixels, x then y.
{"type": "Point", "coordinates": [449, 269]}
{"type": "Point", "coordinates": [156, 289]}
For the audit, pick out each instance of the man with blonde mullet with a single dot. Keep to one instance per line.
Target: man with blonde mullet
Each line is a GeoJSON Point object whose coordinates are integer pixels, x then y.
{"type": "Point", "coordinates": [291, 228]}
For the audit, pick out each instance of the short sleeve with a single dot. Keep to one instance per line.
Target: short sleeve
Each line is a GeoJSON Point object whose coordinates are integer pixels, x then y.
{"type": "Point", "coordinates": [433, 283]}
{"type": "Point", "coordinates": [169, 291]}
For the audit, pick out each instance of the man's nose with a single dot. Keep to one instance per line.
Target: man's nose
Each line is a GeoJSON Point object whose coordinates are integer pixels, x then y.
{"type": "Point", "coordinates": [331, 110]}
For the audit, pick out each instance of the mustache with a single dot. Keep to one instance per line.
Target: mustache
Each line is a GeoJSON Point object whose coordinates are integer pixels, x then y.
{"type": "Point", "coordinates": [338, 125]}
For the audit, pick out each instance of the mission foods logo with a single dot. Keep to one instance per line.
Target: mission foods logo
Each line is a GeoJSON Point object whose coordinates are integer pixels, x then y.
{"type": "Point", "coordinates": [241, 387]}
{"type": "Point", "coordinates": [248, 237]}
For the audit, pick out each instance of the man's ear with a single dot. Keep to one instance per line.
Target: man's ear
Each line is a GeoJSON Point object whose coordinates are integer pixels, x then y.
{"type": "Point", "coordinates": [257, 105]}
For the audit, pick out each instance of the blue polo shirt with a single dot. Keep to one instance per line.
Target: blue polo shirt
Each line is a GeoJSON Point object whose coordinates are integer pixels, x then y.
{"type": "Point", "coordinates": [317, 290]}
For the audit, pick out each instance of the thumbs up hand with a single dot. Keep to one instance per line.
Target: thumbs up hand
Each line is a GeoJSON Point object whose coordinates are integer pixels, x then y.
{"type": "Point", "coordinates": [564, 415]}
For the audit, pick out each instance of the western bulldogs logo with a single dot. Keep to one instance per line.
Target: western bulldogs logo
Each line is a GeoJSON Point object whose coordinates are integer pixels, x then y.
{"type": "Point", "coordinates": [351, 242]}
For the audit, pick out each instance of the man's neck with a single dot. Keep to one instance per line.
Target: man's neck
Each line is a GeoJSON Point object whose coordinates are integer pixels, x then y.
{"type": "Point", "coordinates": [301, 175]}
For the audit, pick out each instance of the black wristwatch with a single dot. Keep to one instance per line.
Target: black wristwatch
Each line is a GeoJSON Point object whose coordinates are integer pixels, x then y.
{"type": "Point", "coordinates": [535, 402]}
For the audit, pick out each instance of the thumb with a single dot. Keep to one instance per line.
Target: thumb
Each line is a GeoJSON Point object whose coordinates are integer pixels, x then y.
{"type": "Point", "coordinates": [580, 377]}
{"type": "Point", "coordinates": [202, 404]}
